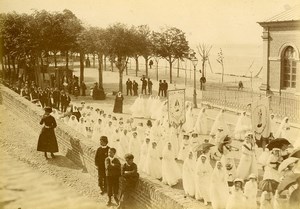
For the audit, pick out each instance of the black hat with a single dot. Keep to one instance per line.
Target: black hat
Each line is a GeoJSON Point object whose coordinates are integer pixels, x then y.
{"type": "Point", "coordinates": [48, 109]}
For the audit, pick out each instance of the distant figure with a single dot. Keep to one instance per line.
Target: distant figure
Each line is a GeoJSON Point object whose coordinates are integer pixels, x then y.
{"type": "Point", "coordinates": [241, 85]}
{"type": "Point", "coordinates": [144, 85]}
{"type": "Point", "coordinates": [165, 88]}
{"type": "Point", "coordinates": [135, 88]}
{"type": "Point", "coordinates": [118, 107]}
{"type": "Point", "coordinates": [87, 62]}
{"type": "Point", "coordinates": [150, 64]}
{"type": "Point", "coordinates": [160, 91]}
{"type": "Point", "coordinates": [150, 84]}
{"type": "Point", "coordinates": [47, 140]}
{"type": "Point", "coordinates": [83, 88]}
{"type": "Point", "coordinates": [129, 87]}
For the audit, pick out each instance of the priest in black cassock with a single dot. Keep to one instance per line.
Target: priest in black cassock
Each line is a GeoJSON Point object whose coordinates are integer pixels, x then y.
{"type": "Point", "coordinates": [101, 155]}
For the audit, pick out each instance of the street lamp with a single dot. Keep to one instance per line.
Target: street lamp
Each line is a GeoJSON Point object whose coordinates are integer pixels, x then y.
{"type": "Point", "coordinates": [195, 62]}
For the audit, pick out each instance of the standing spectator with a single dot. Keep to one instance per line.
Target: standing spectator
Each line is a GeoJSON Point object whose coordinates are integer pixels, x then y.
{"type": "Point", "coordinates": [101, 155]}
{"type": "Point", "coordinates": [165, 88]}
{"type": "Point", "coordinates": [130, 178]}
{"type": "Point", "coordinates": [150, 84]}
{"type": "Point", "coordinates": [144, 85]}
{"type": "Point", "coordinates": [83, 88]}
{"type": "Point", "coordinates": [65, 101]}
{"type": "Point", "coordinates": [41, 97]}
{"type": "Point", "coordinates": [118, 107]}
{"type": "Point", "coordinates": [113, 172]}
{"type": "Point", "coordinates": [160, 91]}
{"type": "Point", "coordinates": [47, 140]}
{"type": "Point", "coordinates": [135, 86]}
{"type": "Point", "coordinates": [34, 95]}
{"type": "Point", "coordinates": [129, 87]}
{"type": "Point", "coordinates": [150, 64]}
{"type": "Point", "coordinates": [56, 98]}
{"type": "Point", "coordinates": [241, 85]}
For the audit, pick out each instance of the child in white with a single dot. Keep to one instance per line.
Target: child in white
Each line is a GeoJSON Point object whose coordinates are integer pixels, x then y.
{"type": "Point", "coordinates": [188, 173]}
{"type": "Point", "coordinates": [153, 162]}
{"type": "Point", "coordinates": [251, 192]}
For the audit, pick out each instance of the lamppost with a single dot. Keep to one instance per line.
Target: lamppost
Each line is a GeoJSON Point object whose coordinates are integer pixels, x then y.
{"type": "Point", "coordinates": [195, 62]}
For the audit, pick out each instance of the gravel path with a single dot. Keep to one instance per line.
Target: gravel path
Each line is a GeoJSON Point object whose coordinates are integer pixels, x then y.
{"type": "Point", "coordinates": [19, 140]}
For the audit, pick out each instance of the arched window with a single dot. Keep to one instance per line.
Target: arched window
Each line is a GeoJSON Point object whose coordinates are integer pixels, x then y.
{"type": "Point", "coordinates": [289, 68]}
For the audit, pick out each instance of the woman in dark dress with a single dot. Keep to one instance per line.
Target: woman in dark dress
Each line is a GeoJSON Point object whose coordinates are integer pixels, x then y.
{"type": "Point", "coordinates": [47, 140]}
{"type": "Point", "coordinates": [118, 107]}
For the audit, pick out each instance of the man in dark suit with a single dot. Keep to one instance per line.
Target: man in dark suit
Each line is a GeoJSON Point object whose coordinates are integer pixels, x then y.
{"type": "Point", "coordinates": [165, 88]}
{"type": "Point", "coordinates": [160, 91]}
{"type": "Point", "coordinates": [135, 87]}
{"type": "Point", "coordinates": [129, 87]}
{"type": "Point", "coordinates": [144, 85]}
{"type": "Point", "coordinates": [150, 84]}
{"type": "Point", "coordinates": [113, 172]}
{"type": "Point", "coordinates": [56, 98]}
{"type": "Point", "coordinates": [101, 155]}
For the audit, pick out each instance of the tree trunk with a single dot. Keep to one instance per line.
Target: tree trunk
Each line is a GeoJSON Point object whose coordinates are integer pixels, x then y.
{"type": "Point", "coordinates": [112, 66]}
{"type": "Point", "coordinates": [100, 69]}
{"type": "Point", "coordinates": [146, 63]}
{"type": "Point", "coordinates": [55, 61]}
{"type": "Point", "coordinates": [14, 69]}
{"type": "Point", "coordinates": [177, 68]}
{"type": "Point", "coordinates": [81, 57]}
{"type": "Point", "coordinates": [67, 59]}
{"type": "Point", "coordinates": [3, 67]}
{"type": "Point", "coordinates": [170, 62]}
{"type": "Point", "coordinates": [42, 66]}
{"type": "Point", "coordinates": [104, 62]}
{"type": "Point", "coordinates": [121, 80]}
{"type": "Point", "coordinates": [136, 58]}
{"type": "Point", "coordinates": [94, 60]}
{"type": "Point", "coordinates": [9, 69]}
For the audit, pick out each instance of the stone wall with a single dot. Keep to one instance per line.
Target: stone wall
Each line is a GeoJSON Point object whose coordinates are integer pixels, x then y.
{"type": "Point", "coordinates": [150, 193]}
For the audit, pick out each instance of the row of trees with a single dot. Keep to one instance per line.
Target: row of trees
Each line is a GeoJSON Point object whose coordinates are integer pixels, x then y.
{"type": "Point", "coordinates": [28, 39]}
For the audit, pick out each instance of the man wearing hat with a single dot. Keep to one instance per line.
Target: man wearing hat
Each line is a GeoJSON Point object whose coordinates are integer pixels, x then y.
{"type": "Point", "coordinates": [47, 140]}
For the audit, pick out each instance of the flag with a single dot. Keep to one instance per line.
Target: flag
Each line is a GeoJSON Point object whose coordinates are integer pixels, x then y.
{"type": "Point", "coordinates": [261, 117]}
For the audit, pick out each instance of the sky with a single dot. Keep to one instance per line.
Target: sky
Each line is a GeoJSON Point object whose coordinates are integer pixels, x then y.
{"type": "Point", "coordinates": [203, 21]}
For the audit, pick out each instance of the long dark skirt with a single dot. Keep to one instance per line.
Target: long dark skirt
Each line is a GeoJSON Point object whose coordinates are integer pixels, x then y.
{"type": "Point", "coordinates": [118, 107]}
{"type": "Point", "coordinates": [47, 141]}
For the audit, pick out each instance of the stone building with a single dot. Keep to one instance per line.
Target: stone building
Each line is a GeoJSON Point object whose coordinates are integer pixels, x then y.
{"type": "Point", "coordinates": [281, 45]}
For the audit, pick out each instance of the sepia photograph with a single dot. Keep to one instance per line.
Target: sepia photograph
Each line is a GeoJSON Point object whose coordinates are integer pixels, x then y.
{"type": "Point", "coordinates": [150, 104]}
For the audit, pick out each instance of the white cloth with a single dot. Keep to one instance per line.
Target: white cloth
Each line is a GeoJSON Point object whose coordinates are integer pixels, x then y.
{"type": "Point", "coordinates": [153, 163]}
{"type": "Point", "coordinates": [219, 190]}
{"type": "Point", "coordinates": [189, 120]}
{"type": "Point", "coordinates": [97, 131]}
{"type": "Point", "coordinates": [143, 156]}
{"type": "Point", "coordinates": [203, 179]}
{"type": "Point", "coordinates": [242, 126]}
{"type": "Point", "coordinates": [236, 200]}
{"type": "Point", "coordinates": [201, 123]}
{"type": "Point", "coordinates": [170, 170]}
{"type": "Point", "coordinates": [270, 171]}
{"type": "Point", "coordinates": [284, 130]}
{"type": "Point", "coordinates": [184, 149]}
{"type": "Point", "coordinates": [219, 123]}
{"type": "Point", "coordinates": [123, 145]}
{"type": "Point", "coordinates": [248, 163]}
{"type": "Point", "coordinates": [134, 148]}
{"type": "Point", "coordinates": [188, 174]}
{"type": "Point", "coordinates": [250, 192]}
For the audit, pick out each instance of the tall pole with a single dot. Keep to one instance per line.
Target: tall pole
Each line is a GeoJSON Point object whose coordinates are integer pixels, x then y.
{"type": "Point", "coordinates": [222, 73]}
{"type": "Point", "coordinates": [195, 94]}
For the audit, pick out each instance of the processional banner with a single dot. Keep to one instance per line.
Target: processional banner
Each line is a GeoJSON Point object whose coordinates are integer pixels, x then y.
{"type": "Point", "coordinates": [261, 117]}
{"type": "Point", "coordinates": [176, 107]}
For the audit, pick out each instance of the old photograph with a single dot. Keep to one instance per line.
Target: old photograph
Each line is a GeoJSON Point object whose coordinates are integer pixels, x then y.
{"type": "Point", "coordinates": [150, 104]}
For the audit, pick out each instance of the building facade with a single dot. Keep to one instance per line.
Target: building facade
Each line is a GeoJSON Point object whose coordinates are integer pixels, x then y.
{"type": "Point", "coordinates": [281, 55]}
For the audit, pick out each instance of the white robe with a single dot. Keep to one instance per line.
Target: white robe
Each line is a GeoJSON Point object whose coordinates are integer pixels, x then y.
{"type": "Point", "coordinates": [236, 200]}
{"type": "Point", "coordinates": [250, 192]}
{"type": "Point", "coordinates": [123, 146]}
{"type": "Point", "coordinates": [97, 131]}
{"type": "Point", "coordinates": [203, 179]}
{"type": "Point", "coordinates": [81, 128]}
{"type": "Point", "coordinates": [153, 163]}
{"type": "Point", "coordinates": [219, 123]}
{"type": "Point", "coordinates": [201, 123]}
{"type": "Point", "coordinates": [219, 191]}
{"type": "Point", "coordinates": [242, 126]}
{"type": "Point", "coordinates": [134, 148]}
{"type": "Point", "coordinates": [284, 130]}
{"type": "Point", "coordinates": [188, 174]}
{"type": "Point", "coordinates": [143, 156]}
{"type": "Point", "coordinates": [248, 162]}
{"type": "Point", "coordinates": [170, 170]}
{"type": "Point", "coordinates": [189, 120]}
{"type": "Point", "coordinates": [184, 149]}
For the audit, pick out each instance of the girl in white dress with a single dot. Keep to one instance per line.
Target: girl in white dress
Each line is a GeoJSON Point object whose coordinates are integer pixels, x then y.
{"type": "Point", "coordinates": [251, 191]}
{"type": "Point", "coordinates": [201, 123]}
{"type": "Point", "coordinates": [134, 146]}
{"type": "Point", "coordinates": [219, 190]}
{"type": "Point", "coordinates": [236, 199]}
{"type": "Point", "coordinates": [81, 127]}
{"type": "Point", "coordinates": [243, 125]}
{"type": "Point", "coordinates": [170, 170]}
{"type": "Point", "coordinates": [153, 162]}
{"type": "Point", "coordinates": [72, 122]}
{"type": "Point", "coordinates": [188, 174]}
{"type": "Point", "coordinates": [189, 119]}
{"type": "Point", "coordinates": [143, 154]}
{"type": "Point", "coordinates": [248, 163]}
{"type": "Point", "coordinates": [284, 129]}
{"type": "Point", "coordinates": [219, 123]}
{"type": "Point", "coordinates": [184, 148]}
{"type": "Point", "coordinates": [97, 130]}
{"type": "Point", "coordinates": [123, 147]}
{"type": "Point", "coordinates": [203, 179]}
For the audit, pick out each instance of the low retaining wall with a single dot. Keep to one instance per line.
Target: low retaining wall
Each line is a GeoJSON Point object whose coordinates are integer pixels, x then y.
{"type": "Point", "coordinates": [150, 193]}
